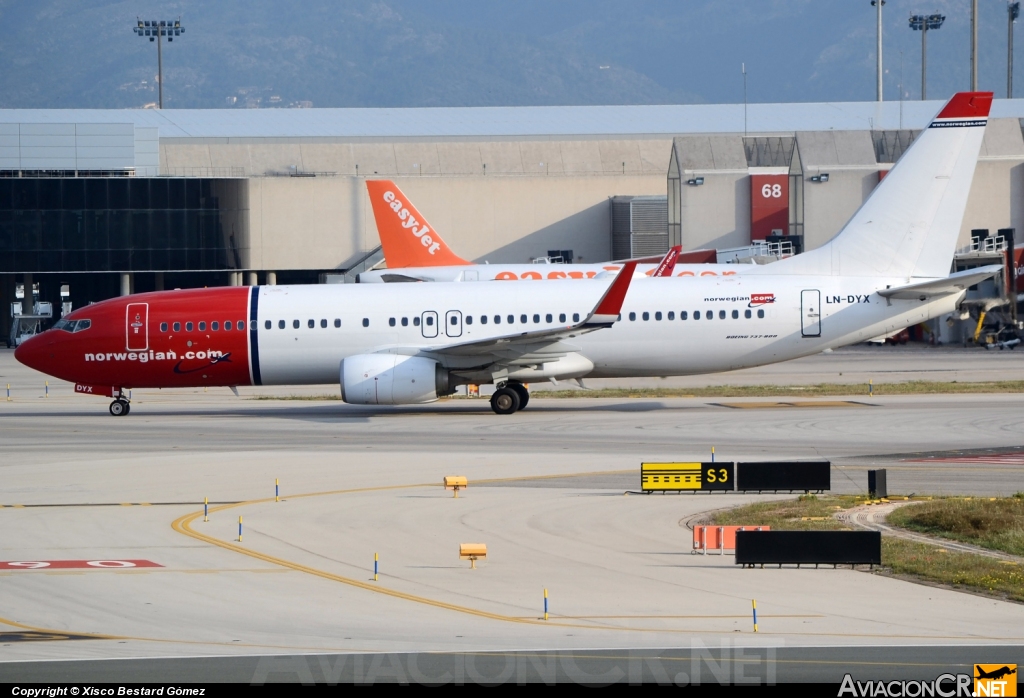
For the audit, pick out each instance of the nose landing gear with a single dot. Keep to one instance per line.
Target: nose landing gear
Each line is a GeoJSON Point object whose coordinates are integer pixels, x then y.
{"type": "Point", "coordinates": [121, 405]}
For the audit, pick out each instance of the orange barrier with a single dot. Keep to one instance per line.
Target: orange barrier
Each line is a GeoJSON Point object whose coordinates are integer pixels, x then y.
{"type": "Point", "coordinates": [720, 538]}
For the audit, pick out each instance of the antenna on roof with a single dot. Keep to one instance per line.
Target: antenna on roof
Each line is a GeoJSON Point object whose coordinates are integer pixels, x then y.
{"type": "Point", "coordinates": [743, 69]}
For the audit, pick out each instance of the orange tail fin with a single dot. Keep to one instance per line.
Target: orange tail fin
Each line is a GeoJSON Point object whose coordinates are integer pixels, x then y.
{"type": "Point", "coordinates": [407, 238]}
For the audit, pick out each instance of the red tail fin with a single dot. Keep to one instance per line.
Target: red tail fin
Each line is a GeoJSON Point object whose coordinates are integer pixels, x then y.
{"type": "Point", "coordinates": [407, 238]}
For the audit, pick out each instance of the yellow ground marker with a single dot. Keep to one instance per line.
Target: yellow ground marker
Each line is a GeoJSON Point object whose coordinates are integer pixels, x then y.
{"type": "Point", "coordinates": [183, 525]}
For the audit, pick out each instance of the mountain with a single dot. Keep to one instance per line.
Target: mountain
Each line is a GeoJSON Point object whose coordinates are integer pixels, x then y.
{"type": "Point", "coordinates": [393, 53]}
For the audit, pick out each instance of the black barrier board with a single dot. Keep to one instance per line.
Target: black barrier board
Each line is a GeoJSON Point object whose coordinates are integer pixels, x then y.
{"type": "Point", "coordinates": [876, 483]}
{"type": "Point", "coordinates": [717, 476]}
{"type": "Point", "coordinates": [784, 475]}
{"type": "Point", "coordinates": [808, 547]}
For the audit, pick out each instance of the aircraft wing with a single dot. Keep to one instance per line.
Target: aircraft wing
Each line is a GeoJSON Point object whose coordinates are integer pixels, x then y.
{"type": "Point", "coordinates": [954, 283]}
{"type": "Point", "coordinates": [688, 257]}
{"type": "Point", "coordinates": [546, 342]}
{"type": "Point", "coordinates": [654, 259]}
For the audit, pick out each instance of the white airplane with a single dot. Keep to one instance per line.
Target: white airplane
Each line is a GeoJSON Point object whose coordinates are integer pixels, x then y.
{"type": "Point", "coordinates": [414, 251]}
{"type": "Point", "coordinates": [389, 344]}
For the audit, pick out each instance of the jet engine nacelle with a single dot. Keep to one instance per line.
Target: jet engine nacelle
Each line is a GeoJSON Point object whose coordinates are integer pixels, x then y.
{"type": "Point", "coordinates": [391, 379]}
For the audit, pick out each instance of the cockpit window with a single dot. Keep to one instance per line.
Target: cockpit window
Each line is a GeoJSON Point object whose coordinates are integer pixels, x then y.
{"type": "Point", "coordinates": [72, 325]}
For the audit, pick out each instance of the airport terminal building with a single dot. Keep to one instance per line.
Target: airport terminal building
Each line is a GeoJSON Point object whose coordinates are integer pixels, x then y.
{"type": "Point", "coordinates": [98, 203]}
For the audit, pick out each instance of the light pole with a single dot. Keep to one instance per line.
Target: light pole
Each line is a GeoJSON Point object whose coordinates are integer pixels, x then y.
{"type": "Point", "coordinates": [974, 45]}
{"type": "Point", "coordinates": [743, 69]}
{"type": "Point", "coordinates": [155, 31]}
{"type": "Point", "coordinates": [878, 5]}
{"type": "Point", "coordinates": [1012, 13]}
{"type": "Point", "coordinates": [923, 23]}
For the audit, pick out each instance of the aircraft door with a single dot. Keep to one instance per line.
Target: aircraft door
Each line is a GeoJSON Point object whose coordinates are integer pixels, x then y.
{"type": "Point", "coordinates": [428, 324]}
{"type": "Point", "coordinates": [810, 313]}
{"type": "Point", "coordinates": [453, 323]}
{"type": "Point", "coordinates": [137, 327]}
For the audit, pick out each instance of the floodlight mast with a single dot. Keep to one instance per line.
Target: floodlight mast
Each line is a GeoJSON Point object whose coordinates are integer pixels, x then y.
{"type": "Point", "coordinates": [974, 45]}
{"type": "Point", "coordinates": [923, 23]}
{"type": "Point", "coordinates": [1012, 13]}
{"type": "Point", "coordinates": [877, 4]}
{"type": "Point", "coordinates": [155, 31]}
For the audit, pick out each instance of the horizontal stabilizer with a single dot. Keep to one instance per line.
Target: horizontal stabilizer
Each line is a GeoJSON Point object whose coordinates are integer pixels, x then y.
{"type": "Point", "coordinates": [400, 278]}
{"type": "Point", "coordinates": [954, 283]}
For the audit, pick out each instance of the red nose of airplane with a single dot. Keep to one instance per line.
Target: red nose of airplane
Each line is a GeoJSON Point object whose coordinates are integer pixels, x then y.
{"type": "Point", "coordinates": [36, 352]}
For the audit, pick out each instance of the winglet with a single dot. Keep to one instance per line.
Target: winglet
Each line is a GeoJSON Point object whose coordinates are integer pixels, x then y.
{"type": "Point", "coordinates": [610, 305]}
{"type": "Point", "coordinates": [408, 240]}
{"type": "Point", "coordinates": [668, 264]}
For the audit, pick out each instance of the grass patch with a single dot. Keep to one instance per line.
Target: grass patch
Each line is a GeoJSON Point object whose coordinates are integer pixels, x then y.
{"type": "Point", "coordinates": [918, 561]}
{"type": "Point", "coordinates": [805, 513]}
{"type": "Point", "coordinates": [996, 524]}
{"type": "Point", "coordinates": [929, 563]}
{"type": "Point", "coordinates": [818, 390]}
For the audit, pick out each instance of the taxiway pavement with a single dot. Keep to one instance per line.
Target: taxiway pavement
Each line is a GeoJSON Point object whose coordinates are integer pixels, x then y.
{"type": "Point", "coordinates": [81, 485]}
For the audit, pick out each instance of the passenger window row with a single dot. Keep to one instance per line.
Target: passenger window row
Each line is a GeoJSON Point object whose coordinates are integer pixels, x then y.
{"type": "Point", "coordinates": [405, 321]}
{"type": "Point", "coordinates": [228, 325]}
{"type": "Point", "coordinates": [215, 326]}
{"type": "Point", "coordinates": [708, 315]}
{"type": "Point", "coordinates": [296, 324]}
{"type": "Point", "coordinates": [523, 319]}
{"type": "Point", "coordinates": [483, 319]}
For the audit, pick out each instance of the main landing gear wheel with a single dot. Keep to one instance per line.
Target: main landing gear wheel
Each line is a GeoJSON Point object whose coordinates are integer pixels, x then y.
{"type": "Point", "coordinates": [522, 392]}
{"type": "Point", "coordinates": [505, 401]}
{"type": "Point", "coordinates": [120, 408]}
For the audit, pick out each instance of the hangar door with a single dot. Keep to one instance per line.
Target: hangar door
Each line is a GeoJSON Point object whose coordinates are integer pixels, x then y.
{"type": "Point", "coordinates": [769, 205]}
{"type": "Point", "coordinates": [810, 313]}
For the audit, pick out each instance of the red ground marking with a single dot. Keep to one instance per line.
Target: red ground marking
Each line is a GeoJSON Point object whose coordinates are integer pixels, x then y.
{"type": "Point", "coordinates": [75, 564]}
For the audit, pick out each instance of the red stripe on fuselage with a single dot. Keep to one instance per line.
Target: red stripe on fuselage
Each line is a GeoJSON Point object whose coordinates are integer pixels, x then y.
{"type": "Point", "coordinates": [100, 355]}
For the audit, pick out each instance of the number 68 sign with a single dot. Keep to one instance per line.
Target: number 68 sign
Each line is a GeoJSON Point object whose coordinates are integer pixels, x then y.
{"type": "Point", "coordinates": [771, 191]}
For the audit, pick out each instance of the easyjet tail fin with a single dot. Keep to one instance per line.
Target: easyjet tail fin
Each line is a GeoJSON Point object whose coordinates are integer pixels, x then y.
{"type": "Point", "coordinates": [909, 225]}
{"type": "Point", "coordinates": [408, 240]}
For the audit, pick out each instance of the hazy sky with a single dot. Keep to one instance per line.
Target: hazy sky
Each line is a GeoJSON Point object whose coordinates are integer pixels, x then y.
{"type": "Point", "coordinates": [82, 53]}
